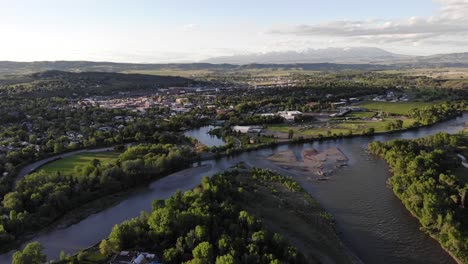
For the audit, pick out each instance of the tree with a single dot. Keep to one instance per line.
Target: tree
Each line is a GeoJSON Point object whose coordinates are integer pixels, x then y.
{"type": "Point", "coordinates": [171, 255]}
{"type": "Point", "coordinates": [398, 124]}
{"type": "Point", "coordinates": [59, 147]}
{"type": "Point", "coordinates": [31, 254]}
{"type": "Point", "coordinates": [203, 251]}
{"type": "Point", "coordinates": [62, 256]}
{"type": "Point", "coordinates": [370, 131]}
{"type": "Point", "coordinates": [105, 247]}
{"type": "Point", "coordinates": [225, 259]}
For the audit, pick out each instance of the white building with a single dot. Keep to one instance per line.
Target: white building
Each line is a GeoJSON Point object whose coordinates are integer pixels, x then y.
{"type": "Point", "coordinates": [247, 129]}
{"type": "Point", "coordinates": [289, 115]}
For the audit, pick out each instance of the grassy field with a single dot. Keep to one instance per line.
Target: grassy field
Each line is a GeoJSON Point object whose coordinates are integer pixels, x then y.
{"type": "Point", "coordinates": [172, 72]}
{"type": "Point", "coordinates": [67, 165]}
{"type": "Point", "coordinates": [355, 126]}
{"type": "Point", "coordinates": [367, 114]}
{"type": "Point", "coordinates": [399, 108]}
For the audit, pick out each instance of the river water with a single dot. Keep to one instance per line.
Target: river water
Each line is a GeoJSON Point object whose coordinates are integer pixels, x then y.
{"type": "Point", "coordinates": [204, 137]}
{"type": "Point", "coordinates": [372, 222]}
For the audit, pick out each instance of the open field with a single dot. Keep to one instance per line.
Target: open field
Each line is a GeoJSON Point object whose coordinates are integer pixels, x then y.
{"type": "Point", "coordinates": [67, 165]}
{"type": "Point", "coordinates": [172, 72]}
{"type": "Point", "coordinates": [355, 126]}
{"type": "Point", "coordinates": [203, 72]}
{"type": "Point", "coordinates": [454, 78]}
{"type": "Point", "coordinates": [400, 108]}
{"type": "Point", "coordinates": [437, 73]}
{"type": "Point", "coordinates": [367, 114]}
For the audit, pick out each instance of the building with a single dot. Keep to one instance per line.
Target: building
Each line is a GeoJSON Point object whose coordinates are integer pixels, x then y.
{"type": "Point", "coordinates": [267, 115]}
{"type": "Point", "coordinates": [247, 129]}
{"type": "Point", "coordinates": [182, 101]}
{"type": "Point", "coordinates": [130, 257]}
{"type": "Point", "coordinates": [338, 104]}
{"type": "Point", "coordinates": [289, 115]}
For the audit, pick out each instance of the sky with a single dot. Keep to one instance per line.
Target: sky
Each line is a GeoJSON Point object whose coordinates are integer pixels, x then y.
{"type": "Point", "coordinates": [157, 31]}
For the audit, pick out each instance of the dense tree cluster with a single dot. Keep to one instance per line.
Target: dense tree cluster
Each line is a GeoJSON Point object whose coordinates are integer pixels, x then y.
{"type": "Point", "coordinates": [68, 84]}
{"type": "Point", "coordinates": [35, 128]}
{"type": "Point", "coordinates": [206, 225]}
{"type": "Point", "coordinates": [437, 113]}
{"type": "Point", "coordinates": [31, 254]}
{"type": "Point", "coordinates": [424, 179]}
{"type": "Point", "coordinates": [40, 198]}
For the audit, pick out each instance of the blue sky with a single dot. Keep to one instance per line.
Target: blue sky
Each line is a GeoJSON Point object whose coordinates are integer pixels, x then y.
{"type": "Point", "coordinates": [164, 31]}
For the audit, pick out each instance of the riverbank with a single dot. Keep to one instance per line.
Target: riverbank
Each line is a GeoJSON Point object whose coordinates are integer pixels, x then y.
{"type": "Point", "coordinates": [298, 217]}
{"type": "Point", "coordinates": [311, 139]}
{"type": "Point", "coordinates": [272, 198]}
{"type": "Point", "coordinates": [93, 205]}
{"type": "Point", "coordinates": [432, 193]}
{"type": "Point", "coordinates": [343, 198]}
{"type": "Point", "coordinates": [74, 216]}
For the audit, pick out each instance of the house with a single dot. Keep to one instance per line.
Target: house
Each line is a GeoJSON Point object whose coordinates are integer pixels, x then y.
{"type": "Point", "coordinates": [313, 104]}
{"type": "Point", "coordinates": [289, 115]}
{"type": "Point", "coordinates": [105, 129]}
{"type": "Point", "coordinates": [130, 257]}
{"type": "Point", "coordinates": [182, 101]}
{"type": "Point", "coordinates": [463, 160]}
{"type": "Point", "coordinates": [337, 104]}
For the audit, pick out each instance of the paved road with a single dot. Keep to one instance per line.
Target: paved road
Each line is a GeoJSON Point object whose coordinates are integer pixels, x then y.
{"type": "Point", "coordinates": [33, 166]}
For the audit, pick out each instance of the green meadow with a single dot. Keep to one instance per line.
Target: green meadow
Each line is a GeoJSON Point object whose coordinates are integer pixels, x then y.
{"type": "Point", "coordinates": [67, 165]}
{"type": "Point", "coordinates": [399, 108]}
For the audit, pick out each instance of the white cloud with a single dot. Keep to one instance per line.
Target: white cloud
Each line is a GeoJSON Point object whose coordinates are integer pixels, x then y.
{"type": "Point", "coordinates": [449, 23]}
{"type": "Point", "coordinates": [189, 27]}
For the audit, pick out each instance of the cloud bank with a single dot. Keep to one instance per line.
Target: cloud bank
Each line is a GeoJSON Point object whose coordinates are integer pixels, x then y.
{"type": "Point", "coordinates": [449, 24]}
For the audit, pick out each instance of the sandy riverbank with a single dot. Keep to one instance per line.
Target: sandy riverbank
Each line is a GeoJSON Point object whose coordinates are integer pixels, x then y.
{"type": "Point", "coordinates": [320, 164]}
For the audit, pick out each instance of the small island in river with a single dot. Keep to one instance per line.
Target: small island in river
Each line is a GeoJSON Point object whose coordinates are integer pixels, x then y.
{"type": "Point", "coordinates": [319, 164]}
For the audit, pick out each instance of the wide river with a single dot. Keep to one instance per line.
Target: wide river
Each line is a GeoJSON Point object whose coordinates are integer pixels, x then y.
{"type": "Point", "coordinates": [370, 219]}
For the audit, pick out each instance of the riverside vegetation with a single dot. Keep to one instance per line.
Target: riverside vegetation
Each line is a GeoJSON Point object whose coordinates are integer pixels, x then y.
{"type": "Point", "coordinates": [239, 216]}
{"type": "Point", "coordinates": [429, 179]}
{"type": "Point", "coordinates": [41, 198]}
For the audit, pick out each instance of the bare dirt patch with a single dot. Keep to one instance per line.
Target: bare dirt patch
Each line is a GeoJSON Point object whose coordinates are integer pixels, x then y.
{"type": "Point", "coordinates": [320, 164]}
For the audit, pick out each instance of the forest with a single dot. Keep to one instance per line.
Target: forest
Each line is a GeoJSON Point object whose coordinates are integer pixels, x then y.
{"type": "Point", "coordinates": [432, 184]}
{"type": "Point", "coordinates": [204, 225]}
{"type": "Point", "coordinates": [41, 198]}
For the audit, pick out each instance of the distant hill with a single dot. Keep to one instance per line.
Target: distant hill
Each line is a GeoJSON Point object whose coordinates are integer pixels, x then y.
{"type": "Point", "coordinates": [324, 59]}
{"type": "Point", "coordinates": [330, 55]}
{"type": "Point", "coordinates": [51, 83]}
{"type": "Point", "coordinates": [438, 60]}
{"type": "Point", "coordinates": [12, 67]}
{"type": "Point", "coordinates": [21, 68]}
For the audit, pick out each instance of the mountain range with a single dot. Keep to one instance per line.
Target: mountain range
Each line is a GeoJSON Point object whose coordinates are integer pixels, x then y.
{"type": "Point", "coordinates": [329, 55]}
{"type": "Point", "coordinates": [355, 55]}
{"type": "Point", "coordinates": [362, 58]}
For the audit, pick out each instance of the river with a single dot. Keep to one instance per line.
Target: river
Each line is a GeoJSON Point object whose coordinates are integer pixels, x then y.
{"type": "Point", "coordinates": [204, 137]}
{"type": "Point", "coordinates": [370, 219]}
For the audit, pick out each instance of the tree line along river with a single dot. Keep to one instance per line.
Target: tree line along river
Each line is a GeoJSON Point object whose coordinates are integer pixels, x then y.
{"type": "Point", "coordinates": [371, 221]}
